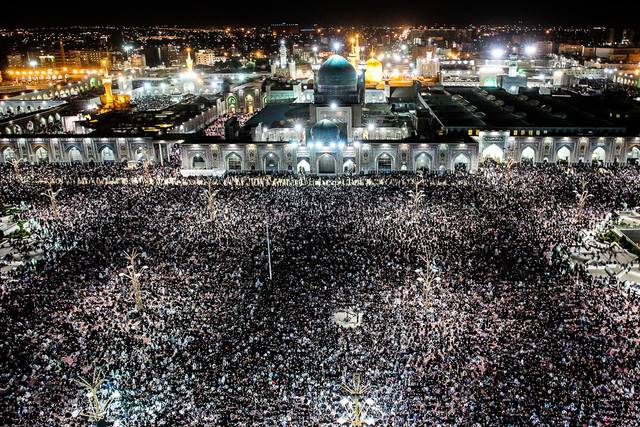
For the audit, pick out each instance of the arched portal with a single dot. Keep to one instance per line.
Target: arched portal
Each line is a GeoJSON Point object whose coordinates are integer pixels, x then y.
{"type": "Point", "coordinates": [141, 154]}
{"type": "Point", "coordinates": [234, 162]}
{"type": "Point", "coordinates": [42, 155]}
{"type": "Point", "coordinates": [248, 104]}
{"type": "Point", "coordinates": [349, 166]}
{"type": "Point", "coordinates": [303, 167]}
{"type": "Point", "coordinates": [326, 164]}
{"type": "Point", "coordinates": [231, 104]}
{"type": "Point", "coordinates": [564, 155]}
{"type": "Point", "coordinates": [599, 155]}
{"type": "Point", "coordinates": [423, 162]}
{"type": "Point", "coordinates": [198, 162]}
{"type": "Point", "coordinates": [461, 163]}
{"type": "Point", "coordinates": [75, 156]}
{"type": "Point", "coordinates": [107, 155]}
{"type": "Point", "coordinates": [493, 152]}
{"type": "Point", "coordinates": [528, 155]}
{"type": "Point", "coordinates": [271, 162]}
{"type": "Point", "coordinates": [384, 163]}
{"type": "Point", "coordinates": [8, 154]}
{"type": "Point", "coordinates": [634, 153]}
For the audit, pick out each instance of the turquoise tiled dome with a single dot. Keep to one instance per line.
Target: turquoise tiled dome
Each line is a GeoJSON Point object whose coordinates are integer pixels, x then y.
{"type": "Point", "coordinates": [325, 131]}
{"type": "Point", "coordinates": [335, 74]}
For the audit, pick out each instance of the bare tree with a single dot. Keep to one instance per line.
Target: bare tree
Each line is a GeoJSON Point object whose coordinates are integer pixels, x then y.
{"type": "Point", "coordinates": [356, 391]}
{"type": "Point", "coordinates": [582, 198]}
{"type": "Point", "coordinates": [16, 167]}
{"type": "Point", "coordinates": [211, 204]}
{"type": "Point", "coordinates": [52, 195]}
{"type": "Point", "coordinates": [134, 275]}
{"type": "Point", "coordinates": [97, 408]}
{"type": "Point", "coordinates": [145, 166]}
{"type": "Point", "coordinates": [509, 167]}
{"type": "Point", "coordinates": [416, 195]}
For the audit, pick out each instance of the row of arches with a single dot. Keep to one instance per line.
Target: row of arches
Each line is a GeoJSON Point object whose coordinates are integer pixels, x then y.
{"type": "Point", "coordinates": [74, 155]}
{"type": "Point", "coordinates": [327, 163]}
{"type": "Point", "coordinates": [563, 154]}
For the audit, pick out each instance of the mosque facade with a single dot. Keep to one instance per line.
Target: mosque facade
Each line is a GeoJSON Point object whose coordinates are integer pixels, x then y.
{"type": "Point", "coordinates": [351, 118]}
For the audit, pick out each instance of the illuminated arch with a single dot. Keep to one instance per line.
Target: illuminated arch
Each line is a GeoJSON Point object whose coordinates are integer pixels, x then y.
{"type": "Point", "coordinates": [423, 161]}
{"type": "Point", "coordinates": [107, 155]}
{"type": "Point", "coordinates": [493, 152]}
{"type": "Point", "coordinates": [42, 155]}
{"type": "Point", "coordinates": [599, 155]}
{"type": "Point", "coordinates": [384, 162]}
{"type": "Point", "coordinates": [563, 155]}
{"type": "Point", "coordinates": [349, 166]}
{"type": "Point", "coordinates": [303, 166]}
{"type": "Point", "coordinates": [75, 156]}
{"type": "Point", "coordinates": [528, 155]}
{"type": "Point", "coordinates": [8, 154]}
{"type": "Point", "coordinates": [198, 162]}
{"type": "Point", "coordinates": [271, 162]}
{"type": "Point", "coordinates": [326, 164]}
{"type": "Point", "coordinates": [234, 162]}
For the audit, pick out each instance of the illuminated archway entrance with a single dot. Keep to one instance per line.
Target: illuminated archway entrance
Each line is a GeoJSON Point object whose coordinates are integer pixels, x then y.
{"type": "Point", "coordinates": [42, 155]}
{"type": "Point", "coordinates": [423, 162]}
{"type": "Point", "coordinates": [528, 155]}
{"type": "Point", "coordinates": [599, 155]}
{"type": "Point", "coordinates": [303, 167]}
{"type": "Point", "coordinates": [384, 163]}
{"type": "Point", "coordinates": [564, 155]}
{"type": "Point", "coordinates": [493, 152]}
{"type": "Point", "coordinates": [461, 163]}
{"type": "Point", "coordinates": [234, 162]}
{"type": "Point", "coordinates": [326, 164]}
{"type": "Point", "coordinates": [271, 162]}
{"type": "Point", "coordinates": [107, 155]}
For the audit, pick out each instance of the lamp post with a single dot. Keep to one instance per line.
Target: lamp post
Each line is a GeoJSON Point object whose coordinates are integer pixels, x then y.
{"type": "Point", "coordinates": [425, 278]}
{"type": "Point", "coordinates": [358, 412]}
{"type": "Point", "coordinates": [211, 204]}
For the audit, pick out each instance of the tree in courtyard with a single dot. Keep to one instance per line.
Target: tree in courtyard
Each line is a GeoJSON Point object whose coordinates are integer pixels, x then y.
{"type": "Point", "coordinates": [52, 195]}
{"type": "Point", "coordinates": [416, 195]}
{"type": "Point", "coordinates": [425, 277]}
{"type": "Point", "coordinates": [97, 409]}
{"type": "Point", "coordinates": [582, 198]}
{"type": "Point", "coordinates": [134, 275]}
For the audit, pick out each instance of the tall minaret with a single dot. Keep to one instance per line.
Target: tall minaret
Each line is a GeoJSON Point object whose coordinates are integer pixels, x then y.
{"type": "Point", "coordinates": [354, 56]}
{"type": "Point", "coordinates": [283, 54]}
{"type": "Point", "coordinates": [189, 60]}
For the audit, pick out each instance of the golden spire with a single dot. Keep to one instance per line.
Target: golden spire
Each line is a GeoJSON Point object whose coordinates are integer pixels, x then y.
{"type": "Point", "coordinates": [189, 60]}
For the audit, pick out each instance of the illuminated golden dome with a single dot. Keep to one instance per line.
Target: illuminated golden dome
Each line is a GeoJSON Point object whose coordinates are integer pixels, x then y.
{"type": "Point", "coordinates": [373, 73]}
{"type": "Point", "coordinates": [373, 62]}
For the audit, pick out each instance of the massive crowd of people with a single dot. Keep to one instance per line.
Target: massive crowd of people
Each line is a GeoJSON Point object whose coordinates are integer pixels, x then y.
{"type": "Point", "coordinates": [509, 334]}
{"type": "Point", "coordinates": [157, 102]}
{"type": "Point", "coordinates": [216, 128]}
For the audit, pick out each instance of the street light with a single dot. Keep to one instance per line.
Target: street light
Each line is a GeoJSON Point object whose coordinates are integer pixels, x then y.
{"type": "Point", "coordinates": [497, 52]}
{"type": "Point", "coordinates": [530, 50]}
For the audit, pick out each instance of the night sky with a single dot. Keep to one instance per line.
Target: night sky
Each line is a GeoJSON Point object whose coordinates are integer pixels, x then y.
{"type": "Point", "coordinates": [305, 12]}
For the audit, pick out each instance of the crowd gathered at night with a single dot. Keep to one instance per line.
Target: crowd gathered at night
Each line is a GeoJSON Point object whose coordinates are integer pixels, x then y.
{"type": "Point", "coordinates": [510, 332]}
{"type": "Point", "coordinates": [216, 127]}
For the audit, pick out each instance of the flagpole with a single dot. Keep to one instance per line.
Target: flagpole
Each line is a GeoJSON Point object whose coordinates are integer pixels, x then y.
{"type": "Point", "coordinates": [269, 250]}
